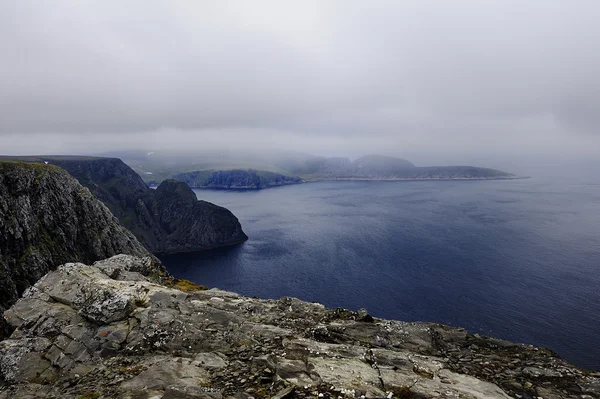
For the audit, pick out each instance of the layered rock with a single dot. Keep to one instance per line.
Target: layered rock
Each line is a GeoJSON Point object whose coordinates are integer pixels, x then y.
{"type": "Point", "coordinates": [46, 219]}
{"type": "Point", "coordinates": [111, 330]}
{"type": "Point", "coordinates": [147, 216]}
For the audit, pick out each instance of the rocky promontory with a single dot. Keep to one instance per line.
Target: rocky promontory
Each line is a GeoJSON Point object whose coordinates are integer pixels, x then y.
{"type": "Point", "coordinates": [189, 224]}
{"type": "Point", "coordinates": [148, 213]}
{"type": "Point", "coordinates": [120, 328]}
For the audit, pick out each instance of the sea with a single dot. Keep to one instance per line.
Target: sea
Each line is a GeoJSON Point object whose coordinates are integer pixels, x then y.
{"type": "Point", "coordinates": [512, 259]}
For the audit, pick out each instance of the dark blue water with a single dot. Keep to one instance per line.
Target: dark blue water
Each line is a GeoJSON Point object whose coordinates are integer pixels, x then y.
{"type": "Point", "coordinates": [519, 260]}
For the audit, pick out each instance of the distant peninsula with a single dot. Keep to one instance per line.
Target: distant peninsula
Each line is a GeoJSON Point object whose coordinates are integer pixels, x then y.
{"type": "Point", "coordinates": [380, 167]}
{"type": "Point", "coordinates": [228, 170]}
{"type": "Point", "coordinates": [236, 179]}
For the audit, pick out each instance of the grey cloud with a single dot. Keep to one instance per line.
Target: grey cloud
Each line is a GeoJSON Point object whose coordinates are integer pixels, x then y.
{"type": "Point", "coordinates": [331, 76]}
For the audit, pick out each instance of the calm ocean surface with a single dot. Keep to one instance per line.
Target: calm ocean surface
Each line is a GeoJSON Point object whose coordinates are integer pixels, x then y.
{"type": "Point", "coordinates": [518, 260]}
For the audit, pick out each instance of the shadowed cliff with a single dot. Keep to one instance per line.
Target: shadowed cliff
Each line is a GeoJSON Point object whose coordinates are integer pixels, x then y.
{"type": "Point", "coordinates": [46, 219]}
{"type": "Point", "coordinates": [167, 220]}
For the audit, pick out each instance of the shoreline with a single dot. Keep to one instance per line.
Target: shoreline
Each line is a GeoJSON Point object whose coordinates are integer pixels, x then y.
{"type": "Point", "coordinates": [285, 348]}
{"type": "Point", "coordinates": [187, 251]}
{"type": "Point", "coordinates": [418, 178]}
{"type": "Point", "coordinates": [248, 188]}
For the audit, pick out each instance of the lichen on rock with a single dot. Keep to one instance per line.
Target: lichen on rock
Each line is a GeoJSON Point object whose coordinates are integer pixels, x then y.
{"type": "Point", "coordinates": [46, 219]}
{"type": "Point", "coordinates": [84, 330]}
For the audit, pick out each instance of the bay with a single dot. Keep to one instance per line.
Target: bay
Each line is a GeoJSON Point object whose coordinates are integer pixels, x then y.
{"type": "Point", "coordinates": [514, 259]}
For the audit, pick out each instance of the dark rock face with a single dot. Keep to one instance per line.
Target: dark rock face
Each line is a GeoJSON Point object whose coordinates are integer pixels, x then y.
{"type": "Point", "coordinates": [46, 219]}
{"type": "Point", "coordinates": [236, 178]}
{"type": "Point", "coordinates": [169, 219]}
{"type": "Point", "coordinates": [188, 222]}
{"type": "Point", "coordinates": [112, 329]}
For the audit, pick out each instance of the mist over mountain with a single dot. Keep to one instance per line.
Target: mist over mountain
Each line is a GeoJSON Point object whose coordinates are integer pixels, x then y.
{"type": "Point", "coordinates": [231, 169]}
{"type": "Point", "coordinates": [405, 133]}
{"type": "Point", "coordinates": [500, 84]}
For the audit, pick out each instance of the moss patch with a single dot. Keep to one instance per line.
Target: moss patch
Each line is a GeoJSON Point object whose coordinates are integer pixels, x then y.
{"type": "Point", "coordinates": [185, 285]}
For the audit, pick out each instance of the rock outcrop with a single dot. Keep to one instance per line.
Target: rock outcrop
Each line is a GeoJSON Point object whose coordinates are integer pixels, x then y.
{"type": "Point", "coordinates": [190, 224]}
{"type": "Point", "coordinates": [147, 216]}
{"type": "Point", "coordinates": [112, 330]}
{"type": "Point", "coordinates": [236, 178]}
{"type": "Point", "coordinates": [46, 219]}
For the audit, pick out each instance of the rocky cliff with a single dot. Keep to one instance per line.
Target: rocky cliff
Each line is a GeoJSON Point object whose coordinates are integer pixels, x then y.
{"type": "Point", "coordinates": [46, 219]}
{"type": "Point", "coordinates": [189, 224]}
{"type": "Point", "coordinates": [236, 178]}
{"type": "Point", "coordinates": [147, 214]}
{"type": "Point", "coordinates": [111, 331]}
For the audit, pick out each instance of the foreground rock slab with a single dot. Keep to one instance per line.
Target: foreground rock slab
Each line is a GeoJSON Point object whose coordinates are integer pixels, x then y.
{"type": "Point", "coordinates": [47, 219]}
{"type": "Point", "coordinates": [109, 330]}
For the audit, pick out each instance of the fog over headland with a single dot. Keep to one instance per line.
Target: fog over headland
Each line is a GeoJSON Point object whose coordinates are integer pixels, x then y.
{"type": "Point", "coordinates": [506, 84]}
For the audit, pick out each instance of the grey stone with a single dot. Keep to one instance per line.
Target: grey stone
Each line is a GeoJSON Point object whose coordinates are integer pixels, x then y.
{"type": "Point", "coordinates": [46, 219]}
{"type": "Point", "coordinates": [214, 344]}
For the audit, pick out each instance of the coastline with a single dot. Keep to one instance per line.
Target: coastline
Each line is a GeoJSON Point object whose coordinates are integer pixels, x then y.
{"type": "Point", "coordinates": [187, 251]}
{"type": "Point", "coordinates": [241, 347]}
{"type": "Point", "coordinates": [418, 178]}
{"type": "Point", "coordinates": [309, 180]}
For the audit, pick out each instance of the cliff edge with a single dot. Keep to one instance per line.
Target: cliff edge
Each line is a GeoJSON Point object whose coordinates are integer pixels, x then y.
{"type": "Point", "coordinates": [109, 330]}
{"type": "Point", "coordinates": [147, 213]}
{"type": "Point", "coordinates": [190, 224]}
{"type": "Point", "coordinates": [46, 219]}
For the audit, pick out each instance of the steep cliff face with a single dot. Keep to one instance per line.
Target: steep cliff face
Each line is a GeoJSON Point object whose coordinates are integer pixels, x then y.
{"type": "Point", "coordinates": [190, 224]}
{"type": "Point", "coordinates": [47, 218]}
{"type": "Point", "coordinates": [109, 330]}
{"type": "Point", "coordinates": [169, 219]}
{"type": "Point", "coordinates": [122, 190]}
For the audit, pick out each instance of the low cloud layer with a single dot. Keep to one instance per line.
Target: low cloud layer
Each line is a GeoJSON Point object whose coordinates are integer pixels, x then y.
{"type": "Point", "coordinates": [430, 80]}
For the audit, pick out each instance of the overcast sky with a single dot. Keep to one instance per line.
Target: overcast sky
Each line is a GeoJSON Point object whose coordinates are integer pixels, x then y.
{"type": "Point", "coordinates": [447, 81]}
